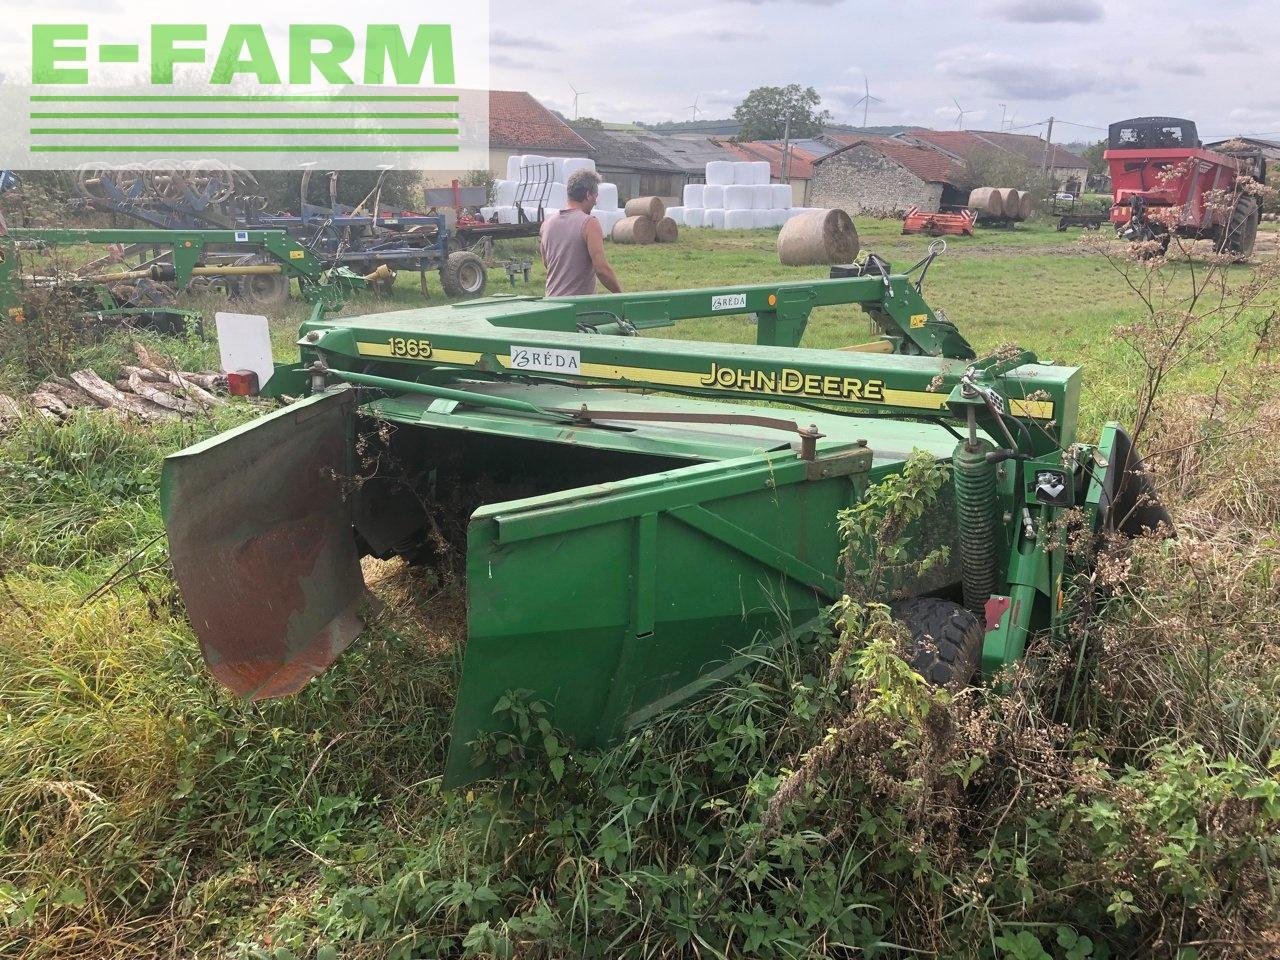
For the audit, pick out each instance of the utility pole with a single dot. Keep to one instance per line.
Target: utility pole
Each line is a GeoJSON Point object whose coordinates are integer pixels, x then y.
{"type": "Point", "coordinates": [786, 152]}
{"type": "Point", "coordinates": [1048, 145]}
{"type": "Point", "coordinates": [1003, 109]}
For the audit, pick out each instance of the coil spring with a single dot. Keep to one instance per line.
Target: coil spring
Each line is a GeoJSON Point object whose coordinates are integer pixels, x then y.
{"type": "Point", "coordinates": [975, 492]}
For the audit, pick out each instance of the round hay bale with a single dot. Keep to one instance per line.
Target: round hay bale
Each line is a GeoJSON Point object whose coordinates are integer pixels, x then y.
{"type": "Point", "coordinates": [1009, 200]}
{"type": "Point", "coordinates": [666, 230]}
{"type": "Point", "coordinates": [816, 238]}
{"type": "Point", "coordinates": [1026, 205]}
{"type": "Point", "coordinates": [651, 207]}
{"type": "Point", "coordinates": [987, 201]}
{"type": "Point", "coordinates": [638, 230]}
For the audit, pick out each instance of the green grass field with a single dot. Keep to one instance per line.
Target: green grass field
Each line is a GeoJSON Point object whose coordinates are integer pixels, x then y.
{"type": "Point", "coordinates": [1120, 799]}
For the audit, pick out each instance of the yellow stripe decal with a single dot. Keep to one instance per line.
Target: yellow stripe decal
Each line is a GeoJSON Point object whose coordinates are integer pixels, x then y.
{"type": "Point", "coordinates": [910, 399]}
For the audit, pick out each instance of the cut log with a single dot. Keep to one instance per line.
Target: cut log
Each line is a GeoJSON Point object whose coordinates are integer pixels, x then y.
{"type": "Point", "coordinates": [193, 390]}
{"type": "Point", "coordinates": [986, 202]}
{"type": "Point", "coordinates": [10, 412]}
{"type": "Point", "coordinates": [638, 230]}
{"type": "Point", "coordinates": [107, 396]}
{"type": "Point", "coordinates": [817, 238]}
{"type": "Point", "coordinates": [49, 403]}
{"type": "Point", "coordinates": [67, 392]}
{"type": "Point", "coordinates": [666, 230]}
{"type": "Point", "coordinates": [146, 373]}
{"type": "Point", "coordinates": [160, 398]}
{"type": "Point", "coordinates": [651, 207]}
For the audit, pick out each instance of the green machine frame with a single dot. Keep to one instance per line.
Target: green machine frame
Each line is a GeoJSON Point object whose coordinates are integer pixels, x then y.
{"type": "Point", "coordinates": [327, 288]}
{"type": "Point", "coordinates": [748, 451]}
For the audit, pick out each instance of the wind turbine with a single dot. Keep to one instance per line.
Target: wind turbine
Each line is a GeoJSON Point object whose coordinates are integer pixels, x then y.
{"type": "Point", "coordinates": [694, 107]}
{"type": "Point", "coordinates": [866, 100]}
{"type": "Point", "coordinates": [576, 94]}
{"type": "Point", "coordinates": [960, 112]}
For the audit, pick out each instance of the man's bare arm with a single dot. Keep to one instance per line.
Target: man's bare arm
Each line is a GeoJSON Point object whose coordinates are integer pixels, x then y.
{"type": "Point", "coordinates": [594, 235]}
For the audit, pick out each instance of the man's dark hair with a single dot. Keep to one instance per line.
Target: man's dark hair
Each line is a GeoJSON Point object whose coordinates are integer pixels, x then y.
{"type": "Point", "coordinates": [582, 183]}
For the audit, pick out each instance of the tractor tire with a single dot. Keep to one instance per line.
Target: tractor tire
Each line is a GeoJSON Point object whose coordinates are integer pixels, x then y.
{"type": "Point", "coordinates": [265, 289]}
{"type": "Point", "coordinates": [1242, 230]}
{"type": "Point", "coordinates": [946, 640]}
{"type": "Point", "coordinates": [463, 275]}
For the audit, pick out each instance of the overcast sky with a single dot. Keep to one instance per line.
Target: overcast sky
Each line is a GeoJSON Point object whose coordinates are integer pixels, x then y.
{"type": "Point", "coordinates": [1084, 61]}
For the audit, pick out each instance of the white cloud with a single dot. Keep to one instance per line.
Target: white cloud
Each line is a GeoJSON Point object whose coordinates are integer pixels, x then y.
{"type": "Point", "coordinates": [1048, 11]}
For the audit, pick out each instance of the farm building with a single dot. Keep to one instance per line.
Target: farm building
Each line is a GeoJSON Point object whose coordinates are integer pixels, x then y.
{"type": "Point", "coordinates": [519, 124]}
{"type": "Point", "coordinates": [882, 176]}
{"type": "Point", "coordinates": [1069, 171]}
{"type": "Point", "coordinates": [623, 158]}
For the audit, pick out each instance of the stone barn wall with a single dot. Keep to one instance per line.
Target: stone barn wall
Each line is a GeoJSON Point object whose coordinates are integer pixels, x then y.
{"type": "Point", "coordinates": [860, 180]}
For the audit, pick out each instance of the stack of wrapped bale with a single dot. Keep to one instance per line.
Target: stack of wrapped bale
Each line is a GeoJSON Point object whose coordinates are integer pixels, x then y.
{"type": "Point", "coordinates": [535, 182]}
{"type": "Point", "coordinates": [736, 196]}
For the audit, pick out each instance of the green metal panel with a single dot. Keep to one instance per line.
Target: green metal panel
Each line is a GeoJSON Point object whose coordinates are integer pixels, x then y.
{"type": "Point", "coordinates": [607, 601]}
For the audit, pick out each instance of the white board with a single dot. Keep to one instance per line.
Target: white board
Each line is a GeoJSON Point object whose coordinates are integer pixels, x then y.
{"type": "Point", "coordinates": [244, 343]}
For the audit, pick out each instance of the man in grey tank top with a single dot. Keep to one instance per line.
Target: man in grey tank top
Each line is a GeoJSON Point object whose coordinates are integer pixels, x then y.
{"type": "Point", "coordinates": [572, 242]}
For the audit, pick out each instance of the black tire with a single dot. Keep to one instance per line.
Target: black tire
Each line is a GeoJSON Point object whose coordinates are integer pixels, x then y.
{"type": "Point", "coordinates": [946, 640]}
{"type": "Point", "coordinates": [463, 275]}
{"type": "Point", "coordinates": [1242, 231]}
{"type": "Point", "coordinates": [265, 289]}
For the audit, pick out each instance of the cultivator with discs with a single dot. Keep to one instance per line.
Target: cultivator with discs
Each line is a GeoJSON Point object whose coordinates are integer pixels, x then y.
{"type": "Point", "coordinates": [631, 513]}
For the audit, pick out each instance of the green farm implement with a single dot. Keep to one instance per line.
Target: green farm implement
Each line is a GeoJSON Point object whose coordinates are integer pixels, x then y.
{"type": "Point", "coordinates": [135, 280]}
{"type": "Point", "coordinates": [632, 513]}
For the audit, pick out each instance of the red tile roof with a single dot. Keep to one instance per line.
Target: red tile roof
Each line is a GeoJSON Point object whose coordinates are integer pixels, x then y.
{"type": "Point", "coordinates": [801, 160]}
{"type": "Point", "coordinates": [927, 163]}
{"type": "Point", "coordinates": [963, 143]}
{"type": "Point", "coordinates": [519, 122]}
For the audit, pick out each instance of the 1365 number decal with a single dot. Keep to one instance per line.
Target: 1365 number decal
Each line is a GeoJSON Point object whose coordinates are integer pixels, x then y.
{"type": "Point", "coordinates": [413, 348]}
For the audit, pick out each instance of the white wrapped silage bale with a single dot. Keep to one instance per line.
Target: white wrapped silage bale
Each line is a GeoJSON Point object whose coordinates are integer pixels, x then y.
{"type": "Point", "coordinates": [676, 214]}
{"type": "Point", "coordinates": [513, 166]}
{"type": "Point", "coordinates": [504, 193]}
{"type": "Point", "coordinates": [505, 214]}
{"type": "Point", "coordinates": [607, 219]}
{"type": "Point", "coordinates": [744, 174]}
{"type": "Point", "coordinates": [713, 218]}
{"type": "Point", "coordinates": [780, 217]}
{"type": "Point", "coordinates": [607, 198]}
{"type": "Point", "coordinates": [720, 172]}
{"type": "Point", "coordinates": [761, 196]}
{"type": "Point", "coordinates": [739, 219]}
{"type": "Point", "coordinates": [486, 212]}
{"type": "Point", "coordinates": [532, 160]}
{"type": "Point", "coordinates": [738, 197]}
{"type": "Point", "coordinates": [693, 195]}
{"type": "Point", "coordinates": [781, 195]}
{"type": "Point", "coordinates": [695, 217]}
{"type": "Point", "coordinates": [761, 219]}
{"type": "Point", "coordinates": [557, 198]}
{"type": "Point", "coordinates": [760, 170]}
{"type": "Point", "coordinates": [713, 196]}
{"type": "Point", "coordinates": [573, 164]}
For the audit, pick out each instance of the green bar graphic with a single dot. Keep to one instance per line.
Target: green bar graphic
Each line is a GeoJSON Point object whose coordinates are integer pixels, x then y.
{"type": "Point", "coordinates": [118, 53]}
{"type": "Point", "coordinates": [236, 148]}
{"type": "Point", "coordinates": [150, 115]}
{"type": "Point", "coordinates": [228, 98]}
{"type": "Point", "coordinates": [219, 131]}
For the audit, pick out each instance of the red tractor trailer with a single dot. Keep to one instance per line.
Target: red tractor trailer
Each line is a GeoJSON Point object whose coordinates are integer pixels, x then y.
{"type": "Point", "coordinates": [1164, 182]}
